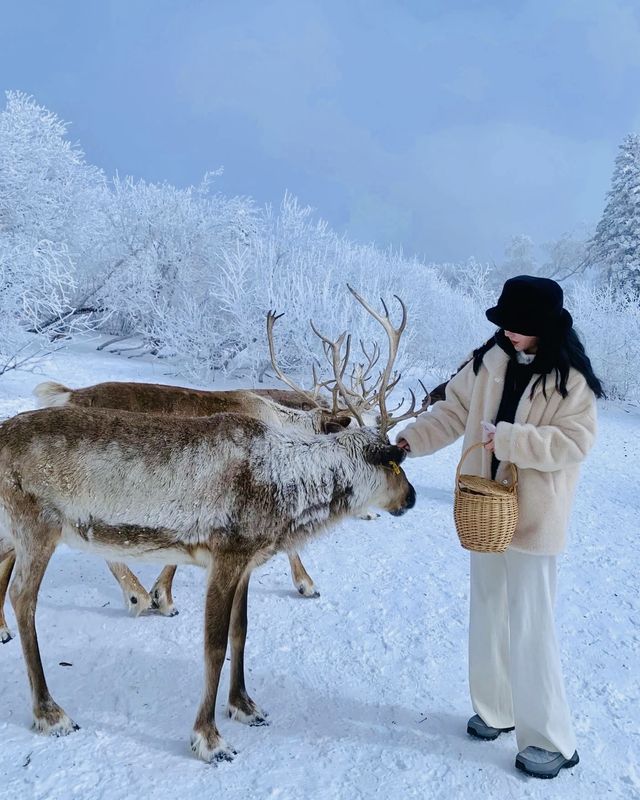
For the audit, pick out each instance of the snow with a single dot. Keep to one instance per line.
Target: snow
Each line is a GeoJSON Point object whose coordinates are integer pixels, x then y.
{"type": "Point", "coordinates": [366, 685]}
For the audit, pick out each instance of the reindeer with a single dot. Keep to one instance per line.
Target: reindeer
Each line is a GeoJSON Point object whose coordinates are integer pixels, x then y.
{"type": "Point", "coordinates": [298, 408]}
{"type": "Point", "coordinates": [293, 407]}
{"type": "Point", "coordinates": [224, 492]}
{"type": "Point", "coordinates": [282, 408]}
{"type": "Point", "coordinates": [304, 409]}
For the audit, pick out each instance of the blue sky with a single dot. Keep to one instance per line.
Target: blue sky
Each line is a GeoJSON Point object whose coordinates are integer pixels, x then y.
{"type": "Point", "coordinates": [439, 127]}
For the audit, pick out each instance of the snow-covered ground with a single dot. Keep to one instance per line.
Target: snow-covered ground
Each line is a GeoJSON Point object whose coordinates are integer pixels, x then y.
{"type": "Point", "coordinates": [366, 686]}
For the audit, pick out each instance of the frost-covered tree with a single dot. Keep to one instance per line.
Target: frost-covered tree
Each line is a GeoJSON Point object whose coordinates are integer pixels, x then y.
{"type": "Point", "coordinates": [46, 187]}
{"type": "Point", "coordinates": [50, 215]}
{"type": "Point", "coordinates": [170, 250]}
{"type": "Point", "coordinates": [36, 285]}
{"type": "Point", "coordinates": [608, 318]}
{"type": "Point", "coordinates": [519, 259]}
{"type": "Point", "coordinates": [190, 273]}
{"type": "Point", "coordinates": [565, 256]}
{"type": "Point", "coordinates": [616, 243]}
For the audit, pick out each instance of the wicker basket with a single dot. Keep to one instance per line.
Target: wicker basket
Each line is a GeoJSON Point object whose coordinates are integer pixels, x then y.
{"type": "Point", "coordinates": [485, 511]}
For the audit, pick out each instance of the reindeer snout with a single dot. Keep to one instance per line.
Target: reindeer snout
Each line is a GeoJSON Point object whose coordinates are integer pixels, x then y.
{"type": "Point", "coordinates": [409, 502]}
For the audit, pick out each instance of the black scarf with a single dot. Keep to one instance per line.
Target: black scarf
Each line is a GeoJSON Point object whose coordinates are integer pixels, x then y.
{"type": "Point", "coordinates": [516, 380]}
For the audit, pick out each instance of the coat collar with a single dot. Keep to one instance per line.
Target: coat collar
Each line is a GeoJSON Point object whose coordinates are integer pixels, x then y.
{"type": "Point", "coordinates": [496, 360]}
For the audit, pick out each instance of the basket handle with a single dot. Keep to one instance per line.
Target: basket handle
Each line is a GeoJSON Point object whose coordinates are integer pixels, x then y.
{"type": "Point", "coordinates": [514, 472]}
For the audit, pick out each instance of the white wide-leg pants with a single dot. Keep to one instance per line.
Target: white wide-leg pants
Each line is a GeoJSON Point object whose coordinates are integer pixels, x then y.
{"type": "Point", "coordinates": [515, 675]}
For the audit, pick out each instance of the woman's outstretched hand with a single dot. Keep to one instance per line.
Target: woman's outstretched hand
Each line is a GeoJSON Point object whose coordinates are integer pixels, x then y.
{"type": "Point", "coordinates": [403, 444]}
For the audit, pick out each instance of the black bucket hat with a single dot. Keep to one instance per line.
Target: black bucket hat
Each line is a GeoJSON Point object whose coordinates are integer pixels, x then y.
{"type": "Point", "coordinates": [531, 306]}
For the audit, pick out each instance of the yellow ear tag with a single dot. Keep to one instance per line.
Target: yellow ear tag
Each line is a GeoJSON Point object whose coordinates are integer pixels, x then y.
{"type": "Point", "coordinates": [395, 467]}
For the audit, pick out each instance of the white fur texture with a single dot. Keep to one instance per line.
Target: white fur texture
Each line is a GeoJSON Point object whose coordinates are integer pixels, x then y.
{"type": "Point", "coordinates": [50, 393]}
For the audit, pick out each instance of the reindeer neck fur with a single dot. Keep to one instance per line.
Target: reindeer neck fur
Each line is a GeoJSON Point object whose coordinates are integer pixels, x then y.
{"type": "Point", "coordinates": [319, 479]}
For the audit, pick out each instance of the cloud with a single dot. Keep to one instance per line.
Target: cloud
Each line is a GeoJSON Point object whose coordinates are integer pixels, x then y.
{"type": "Point", "coordinates": [612, 30]}
{"type": "Point", "coordinates": [443, 127]}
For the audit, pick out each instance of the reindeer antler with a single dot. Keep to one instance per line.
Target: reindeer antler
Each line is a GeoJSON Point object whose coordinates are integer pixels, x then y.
{"type": "Point", "coordinates": [339, 364]}
{"type": "Point", "coordinates": [388, 379]}
{"type": "Point", "coordinates": [272, 318]}
{"type": "Point", "coordinates": [358, 398]}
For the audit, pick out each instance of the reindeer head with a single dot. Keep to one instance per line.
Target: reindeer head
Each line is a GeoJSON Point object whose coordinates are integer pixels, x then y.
{"type": "Point", "coordinates": [381, 481]}
{"type": "Point", "coordinates": [357, 395]}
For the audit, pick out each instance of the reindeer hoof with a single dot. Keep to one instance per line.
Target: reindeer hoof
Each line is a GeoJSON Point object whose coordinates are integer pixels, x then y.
{"type": "Point", "coordinates": [251, 715]}
{"type": "Point", "coordinates": [307, 590]}
{"type": "Point", "coordinates": [171, 611]}
{"type": "Point", "coordinates": [61, 727]}
{"type": "Point", "coordinates": [5, 635]}
{"type": "Point", "coordinates": [215, 753]}
{"type": "Point", "coordinates": [160, 604]}
{"type": "Point", "coordinates": [137, 604]}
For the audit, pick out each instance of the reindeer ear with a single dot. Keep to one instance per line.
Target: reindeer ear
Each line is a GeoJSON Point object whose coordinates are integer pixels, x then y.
{"type": "Point", "coordinates": [385, 455]}
{"type": "Point", "coordinates": [335, 424]}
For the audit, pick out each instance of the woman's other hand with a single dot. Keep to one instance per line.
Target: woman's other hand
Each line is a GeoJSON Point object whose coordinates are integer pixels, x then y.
{"type": "Point", "coordinates": [489, 444]}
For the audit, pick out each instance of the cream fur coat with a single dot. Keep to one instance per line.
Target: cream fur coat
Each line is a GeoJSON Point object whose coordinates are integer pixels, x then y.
{"type": "Point", "coordinates": [547, 441]}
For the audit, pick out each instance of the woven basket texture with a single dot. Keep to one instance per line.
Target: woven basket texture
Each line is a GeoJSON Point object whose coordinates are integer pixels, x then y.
{"type": "Point", "coordinates": [485, 511]}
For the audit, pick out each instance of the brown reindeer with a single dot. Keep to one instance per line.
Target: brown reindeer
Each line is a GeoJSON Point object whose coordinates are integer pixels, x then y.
{"type": "Point", "coordinates": [224, 492]}
{"type": "Point", "coordinates": [279, 407]}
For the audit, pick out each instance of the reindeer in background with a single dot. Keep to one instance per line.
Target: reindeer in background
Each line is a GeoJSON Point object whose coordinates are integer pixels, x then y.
{"type": "Point", "coordinates": [224, 492]}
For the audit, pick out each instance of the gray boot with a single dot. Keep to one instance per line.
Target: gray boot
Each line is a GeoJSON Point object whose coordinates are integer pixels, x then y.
{"type": "Point", "coordinates": [541, 763]}
{"type": "Point", "coordinates": [476, 727]}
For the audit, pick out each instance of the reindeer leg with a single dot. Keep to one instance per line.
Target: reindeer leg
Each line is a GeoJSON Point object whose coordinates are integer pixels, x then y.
{"type": "Point", "coordinates": [31, 562]}
{"type": "Point", "coordinates": [6, 567]}
{"type": "Point", "coordinates": [224, 576]}
{"type": "Point", "coordinates": [241, 706]}
{"type": "Point", "coordinates": [136, 597]}
{"type": "Point", "coordinates": [300, 577]}
{"type": "Point", "coordinates": [161, 597]}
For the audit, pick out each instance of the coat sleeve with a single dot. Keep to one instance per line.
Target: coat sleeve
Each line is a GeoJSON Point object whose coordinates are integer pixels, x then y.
{"type": "Point", "coordinates": [447, 419]}
{"type": "Point", "coordinates": [552, 447]}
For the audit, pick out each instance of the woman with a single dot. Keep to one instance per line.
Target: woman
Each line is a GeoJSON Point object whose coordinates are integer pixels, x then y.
{"type": "Point", "coordinates": [534, 382]}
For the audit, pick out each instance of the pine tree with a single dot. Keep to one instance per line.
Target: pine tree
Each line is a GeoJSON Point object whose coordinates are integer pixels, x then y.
{"type": "Point", "coordinates": [616, 243]}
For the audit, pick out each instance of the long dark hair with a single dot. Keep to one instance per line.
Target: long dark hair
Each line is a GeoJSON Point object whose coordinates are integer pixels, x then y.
{"type": "Point", "coordinates": [555, 353]}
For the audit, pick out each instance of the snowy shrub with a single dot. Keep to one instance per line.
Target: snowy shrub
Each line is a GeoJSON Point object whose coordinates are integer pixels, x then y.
{"type": "Point", "coordinates": [302, 269]}
{"type": "Point", "coordinates": [36, 284]}
{"type": "Point", "coordinates": [448, 322]}
{"type": "Point", "coordinates": [47, 191]}
{"type": "Point", "coordinates": [165, 250]}
{"type": "Point", "coordinates": [608, 321]}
